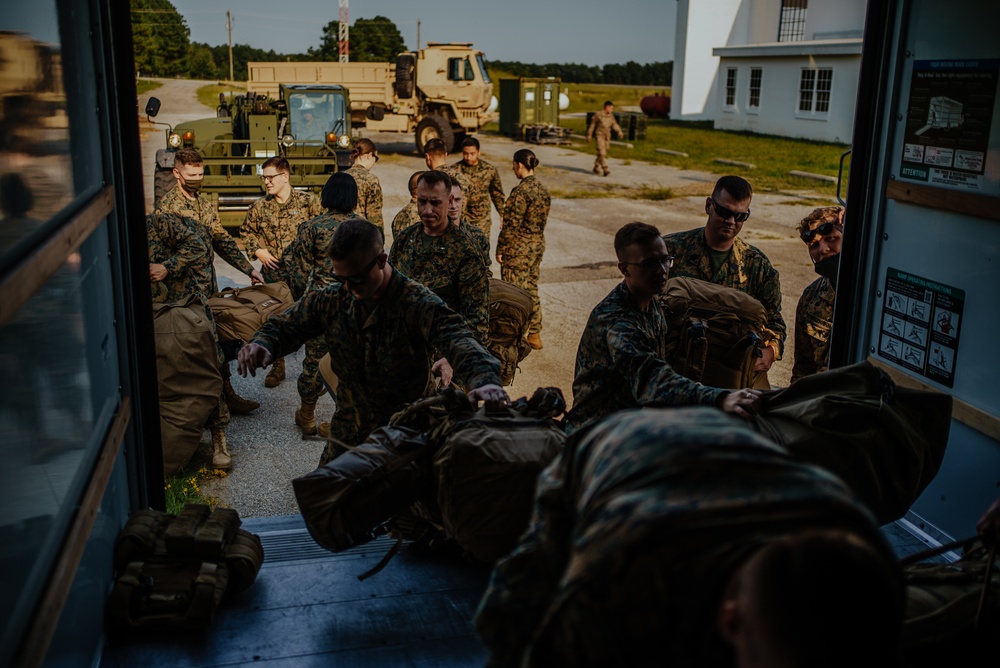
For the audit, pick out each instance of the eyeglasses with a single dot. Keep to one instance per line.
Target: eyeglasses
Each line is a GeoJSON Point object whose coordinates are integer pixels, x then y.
{"type": "Point", "coordinates": [359, 278]}
{"type": "Point", "coordinates": [726, 214]}
{"type": "Point", "coordinates": [820, 231]}
{"type": "Point", "coordinates": [268, 179]}
{"type": "Point", "coordinates": [654, 263]}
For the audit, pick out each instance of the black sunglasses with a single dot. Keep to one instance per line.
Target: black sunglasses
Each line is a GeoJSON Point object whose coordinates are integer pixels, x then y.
{"type": "Point", "coordinates": [357, 279]}
{"type": "Point", "coordinates": [654, 263]}
{"type": "Point", "coordinates": [820, 231]}
{"type": "Point", "coordinates": [726, 214]}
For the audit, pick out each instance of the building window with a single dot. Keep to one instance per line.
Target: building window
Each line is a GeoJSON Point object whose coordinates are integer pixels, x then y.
{"type": "Point", "coordinates": [753, 102]}
{"type": "Point", "coordinates": [792, 24]}
{"type": "Point", "coordinates": [814, 90]}
{"type": "Point", "coordinates": [731, 87]}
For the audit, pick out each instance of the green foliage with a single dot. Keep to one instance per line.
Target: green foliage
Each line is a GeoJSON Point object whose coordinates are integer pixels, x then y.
{"type": "Point", "coordinates": [160, 37]}
{"type": "Point", "coordinates": [373, 40]}
{"type": "Point", "coordinates": [185, 488]}
{"type": "Point", "coordinates": [145, 85]}
{"type": "Point", "coordinates": [591, 97]}
{"type": "Point", "coordinates": [209, 95]}
{"type": "Point", "coordinates": [631, 73]}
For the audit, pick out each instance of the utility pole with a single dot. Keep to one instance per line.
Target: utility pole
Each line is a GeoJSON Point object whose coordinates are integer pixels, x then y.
{"type": "Point", "coordinates": [343, 46]}
{"type": "Point", "coordinates": [229, 29]}
{"type": "Point", "coordinates": [418, 33]}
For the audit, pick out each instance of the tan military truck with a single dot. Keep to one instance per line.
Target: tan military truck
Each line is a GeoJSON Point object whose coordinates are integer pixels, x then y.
{"type": "Point", "coordinates": [442, 90]}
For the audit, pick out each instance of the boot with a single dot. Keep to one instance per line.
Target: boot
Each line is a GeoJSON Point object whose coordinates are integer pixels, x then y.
{"type": "Point", "coordinates": [597, 169]}
{"type": "Point", "coordinates": [606, 171]}
{"type": "Point", "coordinates": [323, 428]}
{"type": "Point", "coordinates": [276, 374]}
{"type": "Point", "coordinates": [534, 340]}
{"type": "Point", "coordinates": [236, 403]}
{"type": "Point", "coordinates": [220, 453]}
{"type": "Point", "coordinates": [305, 418]}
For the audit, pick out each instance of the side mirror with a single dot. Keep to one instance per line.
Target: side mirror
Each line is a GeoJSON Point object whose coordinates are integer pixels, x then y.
{"type": "Point", "coordinates": [153, 106]}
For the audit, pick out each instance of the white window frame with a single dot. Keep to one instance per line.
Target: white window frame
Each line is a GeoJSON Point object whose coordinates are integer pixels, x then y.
{"type": "Point", "coordinates": [729, 89]}
{"type": "Point", "coordinates": [751, 89]}
{"type": "Point", "coordinates": [815, 92]}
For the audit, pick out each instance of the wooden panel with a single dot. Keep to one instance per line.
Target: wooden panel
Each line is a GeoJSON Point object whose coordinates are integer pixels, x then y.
{"type": "Point", "coordinates": [972, 204]}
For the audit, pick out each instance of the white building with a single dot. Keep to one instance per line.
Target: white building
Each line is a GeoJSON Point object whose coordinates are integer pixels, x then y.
{"type": "Point", "coordinates": [779, 67]}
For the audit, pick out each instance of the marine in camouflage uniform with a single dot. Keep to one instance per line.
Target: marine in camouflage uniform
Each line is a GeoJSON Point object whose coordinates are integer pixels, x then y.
{"type": "Point", "coordinates": [484, 185]}
{"type": "Point", "coordinates": [453, 266]}
{"type": "Point", "coordinates": [380, 351]}
{"type": "Point", "coordinates": [521, 242]}
{"type": "Point", "coordinates": [813, 322]}
{"type": "Point", "coordinates": [601, 125]}
{"type": "Point", "coordinates": [463, 180]}
{"type": "Point", "coordinates": [271, 225]}
{"type": "Point", "coordinates": [621, 364]}
{"type": "Point", "coordinates": [369, 196]}
{"type": "Point", "coordinates": [406, 217]}
{"type": "Point", "coordinates": [637, 529]}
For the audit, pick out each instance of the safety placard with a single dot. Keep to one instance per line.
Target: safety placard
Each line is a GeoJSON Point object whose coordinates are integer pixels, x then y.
{"type": "Point", "coordinates": [921, 320]}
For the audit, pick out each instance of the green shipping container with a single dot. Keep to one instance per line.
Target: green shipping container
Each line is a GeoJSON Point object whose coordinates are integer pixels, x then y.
{"type": "Point", "coordinates": [528, 101]}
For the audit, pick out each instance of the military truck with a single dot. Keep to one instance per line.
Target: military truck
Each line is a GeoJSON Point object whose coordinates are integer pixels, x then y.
{"type": "Point", "coordinates": [308, 124]}
{"type": "Point", "coordinates": [443, 90]}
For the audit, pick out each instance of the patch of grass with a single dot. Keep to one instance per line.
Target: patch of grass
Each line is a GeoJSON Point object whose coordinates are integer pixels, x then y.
{"type": "Point", "coordinates": [209, 95]}
{"type": "Point", "coordinates": [591, 97]}
{"type": "Point", "coordinates": [596, 192]}
{"type": "Point", "coordinates": [185, 488]}
{"type": "Point", "coordinates": [145, 85]}
{"type": "Point", "coordinates": [655, 194]}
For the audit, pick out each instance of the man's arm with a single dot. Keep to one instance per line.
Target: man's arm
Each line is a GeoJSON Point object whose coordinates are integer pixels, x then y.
{"type": "Point", "coordinates": [183, 248]}
{"type": "Point", "coordinates": [496, 191]}
{"type": "Point", "coordinates": [283, 333]}
{"type": "Point", "coordinates": [446, 331]}
{"type": "Point", "coordinates": [225, 245]}
{"type": "Point", "coordinates": [250, 229]}
{"type": "Point", "coordinates": [474, 294]}
{"type": "Point", "coordinates": [768, 293]}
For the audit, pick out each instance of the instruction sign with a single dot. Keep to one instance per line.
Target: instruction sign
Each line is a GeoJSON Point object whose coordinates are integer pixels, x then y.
{"type": "Point", "coordinates": [947, 133]}
{"type": "Point", "coordinates": [921, 320]}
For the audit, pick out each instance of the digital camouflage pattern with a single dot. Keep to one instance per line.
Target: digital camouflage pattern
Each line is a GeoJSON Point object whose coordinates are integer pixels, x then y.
{"type": "Point", "coordinates": [369, 197]}
{"type": "Point", "coordinates": [601, 125]}
{"type": "Point", "coordinates": [521, 242]}
{"type": "Point", "coordinates": [380, 350]}
{"type": "Point", "coordinates": [813, 322]}
{"type": "Point", "coordinates": [453, 267]}
{"type": "Point", "coordinates": [271, 225]}
{"type": "Point", "coordinates": [621, 363]}
{"type": "Point", "coordinates": [485, 185]}
{"type": "Point", "coordinates": [407, 216]}
{"type": "Point", "coordinates": [481, 240]}
{"type": "Point", "coordinates": [746, 269]}
{"type": "Point", "coordinates": [637, 527]}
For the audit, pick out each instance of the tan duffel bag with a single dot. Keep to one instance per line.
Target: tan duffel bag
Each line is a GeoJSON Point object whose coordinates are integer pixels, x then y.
{"type": "Point", "coordinates": [240, 312]}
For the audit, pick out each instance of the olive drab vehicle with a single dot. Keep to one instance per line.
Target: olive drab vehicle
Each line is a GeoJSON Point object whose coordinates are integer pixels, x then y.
{"type": "Point", "coordinates": [443, 90]}
{"type": "Point", "coordinates": [310, 125]}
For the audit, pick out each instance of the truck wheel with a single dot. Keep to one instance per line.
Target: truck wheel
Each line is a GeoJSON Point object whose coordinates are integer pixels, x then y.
{"type": "Point", "coordinates": [431, 127]}
{"type": "Point", "coordinates": [163, 182]}
{"type": "Point", "coordinates": [404, 76]}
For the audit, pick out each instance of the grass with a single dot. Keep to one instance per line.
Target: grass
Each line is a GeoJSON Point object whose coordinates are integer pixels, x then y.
{"type": "Point", "coordinates": [145, 85]}
{"type": "Point", "coordinates": [209, 95]}
{"type": "Point", "coordinates": [185, 488]}
{"type": "Point", "coordinates": [591, 97]}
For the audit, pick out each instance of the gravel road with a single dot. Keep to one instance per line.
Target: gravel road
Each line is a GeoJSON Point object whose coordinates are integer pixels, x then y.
{"type": "Point", "coordinates": [578, 270]}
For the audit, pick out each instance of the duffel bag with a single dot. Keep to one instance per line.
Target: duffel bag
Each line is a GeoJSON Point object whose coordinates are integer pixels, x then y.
{"type": "Point", "coordinates": [240, 312]}
{"type": "Point", "coordinates": [510, 308]}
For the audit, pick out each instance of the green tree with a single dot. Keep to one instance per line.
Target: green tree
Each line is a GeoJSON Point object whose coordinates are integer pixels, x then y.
{"type": "Point", "coordinates": [160, 38]}
{"type": "Point", "coordinates": [201, 63]}
{"type": "Point", "coordinates": [373, 40]}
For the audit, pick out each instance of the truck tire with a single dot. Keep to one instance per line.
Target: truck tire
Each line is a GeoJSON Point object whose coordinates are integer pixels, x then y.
{"type": "Point", "coordinates": [404, 76]}
{"type": "Point", "coordinates": [163, 182]}
{"type": "Point", "coordinates": [431, 127]}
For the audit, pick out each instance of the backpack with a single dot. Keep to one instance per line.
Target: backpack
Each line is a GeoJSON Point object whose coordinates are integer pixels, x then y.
{"type": "Point", "coordinates": [240, 312]}
{"type": "Point", "coordinates": [510, 309]}
{"type": "Point", "coordinates": [714, 333]}
{"type": "Point", "coordinates": [172, 571]}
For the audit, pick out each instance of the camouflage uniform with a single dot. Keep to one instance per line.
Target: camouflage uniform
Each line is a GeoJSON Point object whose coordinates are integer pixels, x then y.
{"type": "Point", "coordinates": [407, 216]}
{"type": "Point", "coordinates": [522, 240]}
{"type": "Point", "coordinates": [637, 527]}
{"type": "Point", "coordinates": [271, 225]}
{"type": "Point", "coordinates": [453, 267]}
{"type": "Point", "coordinates": [813, 322]}
{"type": "Point", "coordinates": [463, 181]}
{"type": "Point", "coordinates": [308, 268]}
{"type": "Point", "coordinates": [746, 269]}
{"type": "Point", "coordinates": [380, 350]}
{"type": "Point", "coordinates": [485, 185]}
{"type": "Point", "coordinates": [621, 363]}
{"type": "Point", "coordinates": [369, 197]}
{"type": "Point", "coordinates": [481, 240]}
{"type": "Point", "coordinates": [601, 125]}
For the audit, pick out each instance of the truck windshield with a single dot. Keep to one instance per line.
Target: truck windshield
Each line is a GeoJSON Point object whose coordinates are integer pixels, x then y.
{"type": "Point", "coordinates": [313, 114]}
{"type": "Point", "coordinates": [482, 68]}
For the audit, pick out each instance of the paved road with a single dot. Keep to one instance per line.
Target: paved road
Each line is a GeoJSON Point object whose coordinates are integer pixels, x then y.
{"type": "Point", "coordinates": [578, 270]}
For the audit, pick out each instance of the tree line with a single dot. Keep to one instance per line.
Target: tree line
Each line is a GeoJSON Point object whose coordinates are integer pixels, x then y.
{"type": "Point", "coordinates": [163, 48]}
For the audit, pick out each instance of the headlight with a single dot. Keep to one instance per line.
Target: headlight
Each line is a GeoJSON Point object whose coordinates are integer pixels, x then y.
{"type": "Point", "coordinates": [287, 141]}
{"type": "Point", "coordinates": [344, 141]}
{"type": "Point", "coordinates": [174, 140]}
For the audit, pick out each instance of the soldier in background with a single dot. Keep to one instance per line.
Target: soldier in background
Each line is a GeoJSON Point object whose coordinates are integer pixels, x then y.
{"type": "Point", "coordinates": [408, 214]}
{"type": "Point", "coordinates": [621, 362]}
{"type": "Point", "coordinates": [714, 253]}
{"type": "Point", "coordinates": [822, 231]}
{"type": "Point", "coordinates": [381, 328]}
{"type": "Point", "coordinates": [364, 155]}
{"type": "Point", "coordinates": [455, 205]}
{"type": "Point", "coordinates": [521, 242]}
{"type": "Point", "coordinates": [436, 157]}
{"type": "Point", "coordinates": [270, 226]}
{"type": "Point", "coordinates": [485, 181]}
{"type": "Point", "coordinates": [186, 201]}
{"type": "Point", "coordinates": [601, 125]}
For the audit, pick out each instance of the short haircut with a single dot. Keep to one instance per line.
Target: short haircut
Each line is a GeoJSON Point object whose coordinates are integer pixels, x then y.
{"type": "Point", "coordinates": [435, 146]}
{"type": "Point", "coordinates": [279, 163]}
{"type": "Point", "coordinates": [737, 187]}
{"type": "Point", "coordinates": [433, 177]}
{"type": "Point", "coordinates": [455, 183]}
{"type": "Point", "coordinates": [826, 214]}
{"type": "Point", "coordinates": [634, 234]}
{"type": "Point", "coordinates": [470, 141]}
{"type": "Point", "coordinates": [340, 194]}
{"type": "Point", "coordinates": [412, 184]}
{"type": "Point", "coordinates": [609, 103]}
{"type": "Point", "coordinates": [363, 146]}
{"type": "Point", "coordinates": [526, 157]}
{"type": "Point", "coordinates": [187, 156]}
{"type": "Point", "coordinates": [352, 235]}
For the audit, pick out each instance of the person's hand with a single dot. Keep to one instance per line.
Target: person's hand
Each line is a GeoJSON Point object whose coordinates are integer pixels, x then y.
{"type": "Point", "coordinates": [988, 526]}
{"type": "Point", "coordinates": [493, 395]}
{"type": "Point", "coordinates": [765, 360]}
{"type": "Point", "coordinates": [256, 277]}
{"type": "Point", "coordinates": [157, 272]}
{"type": "Point", "coordinates": [588, 140]}
{"type": "Point", "coordinates": [267, 259]}
{"type": "Point", "coordinates": [741, 402]}
{"type": "Point", "coordinates": [251, 357]}
{"type": "Point", "coordinates": [443, 369]}
{"type": "Point", "coordinates": [499, 258]}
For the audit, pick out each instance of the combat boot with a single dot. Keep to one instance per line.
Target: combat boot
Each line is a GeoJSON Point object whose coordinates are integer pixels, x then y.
{"type": "Point", "coordinates": [305, 418]}
{"type": "Point", "coordinates": [606, 171]}
{"type": "Point", "coordinates": [534, 340]}
{"type": "Point", "coordinates": [323, 428]}
{"type": "Point", "coordinates": [597, 169]}
{"type": "Point", "coordinates": [236, 403]}
{"type": "Point", "coordinates": [220, 453]}
{"type": "Point", "coordinates": [276, 374]}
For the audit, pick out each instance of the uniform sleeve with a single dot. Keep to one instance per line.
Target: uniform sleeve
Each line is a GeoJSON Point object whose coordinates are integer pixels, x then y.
{"type": "Point", "coordinates": [250, 230]}
{"type": "Point", "coordinates": [283, 333]}
{"type": "Point", "coordinates": [592, 126]}
{"type": "Point", "coordinates": [769, 294]}
{"type": "Point", "coordinates": [805, 353]}
{"type": "Point", "coordinates": [374, 207]}
{"type": "Point", "coordinates": [296, 261]}
{"type": "Point", "coordinates": [496, 191]}
{"type": "Point", "coordinates": [474, 296]}
{"type": "Point", "coordinates": [513, 214]}
{"type": "Point", "coordinates": [617, 128]}
{"type": "Point", "coordinates": [226, 247]}
{"type": "Point", "coordinates": [187, 247]}
{"type": "Point", "coordinates": [446, 331]}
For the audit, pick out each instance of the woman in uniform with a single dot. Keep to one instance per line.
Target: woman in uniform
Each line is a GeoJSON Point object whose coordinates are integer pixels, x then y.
{"type": "Point", "coordinates": [364, 155]}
